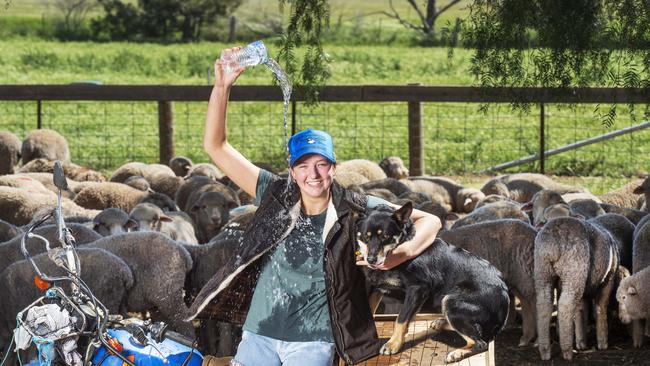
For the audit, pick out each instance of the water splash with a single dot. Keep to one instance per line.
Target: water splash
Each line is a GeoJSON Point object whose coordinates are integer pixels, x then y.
{"type": "Point", "coordinates": [286, 86]}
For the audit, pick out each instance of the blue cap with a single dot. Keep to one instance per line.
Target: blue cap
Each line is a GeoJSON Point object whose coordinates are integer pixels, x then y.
{"type": "Point", "coordinates": [311, 142]}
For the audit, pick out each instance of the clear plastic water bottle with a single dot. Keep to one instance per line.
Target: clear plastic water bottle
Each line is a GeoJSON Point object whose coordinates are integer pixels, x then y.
{"type": "Point", "coordinates": [251, 55]}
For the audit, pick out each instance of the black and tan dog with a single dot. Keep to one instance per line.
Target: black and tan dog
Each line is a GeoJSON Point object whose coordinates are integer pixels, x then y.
{"type": "Point", "coordinates": [468, 289]}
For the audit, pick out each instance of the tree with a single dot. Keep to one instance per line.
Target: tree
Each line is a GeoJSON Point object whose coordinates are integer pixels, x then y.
{"type": "Point", "coordinates": [553, 43]}
{"type": "Point", "coordinates": [427, 17]}
{"type": "Point", "coordinates": [306, 22]}
{"type": "Point", "coordinates": [160, 20]}
{"type": "Point", "coordinates": [74, 12]}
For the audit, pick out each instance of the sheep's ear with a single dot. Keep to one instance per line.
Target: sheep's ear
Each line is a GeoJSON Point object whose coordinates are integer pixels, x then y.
{"type": "Point", "coordinates": [131, 225]}
{"type": "Point", "coordinates": [631, 290]}
{"type": "Point", "coordinates": [403, 213]}
{"type": "Point", "coordinates": [165, 218]}
{"type": "Point", "coordinates": [638, 190]}
{"type": "Point", "coordinates": [527, 207]}
{"type": "Point", "coordinates": [232, 204]}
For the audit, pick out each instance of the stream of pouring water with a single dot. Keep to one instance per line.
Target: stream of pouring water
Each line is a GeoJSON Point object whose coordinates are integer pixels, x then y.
{"type": "Point", "coordinates": [285, 85]}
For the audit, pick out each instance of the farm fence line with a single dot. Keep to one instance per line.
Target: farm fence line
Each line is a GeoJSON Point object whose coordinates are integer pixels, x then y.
{"type": "Point", "coordinates": [436, 130]}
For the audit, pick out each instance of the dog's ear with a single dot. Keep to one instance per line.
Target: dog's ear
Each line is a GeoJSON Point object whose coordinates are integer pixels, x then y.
{"type": "Point", "coordinates": [403, 214]}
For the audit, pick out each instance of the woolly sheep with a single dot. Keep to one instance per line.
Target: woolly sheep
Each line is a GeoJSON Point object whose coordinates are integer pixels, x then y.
{"type": "Point", "coordinates": [195, 185]}
{"type": "Point", "coordinates": [446, 192]}
{"type": "Point", "coordinates": [175, 225]}
{"type": "Point", "coordinates": [586, 208]}
{"type": "Point", "coordinates": [109, 194]}
{"type": "Point", "coordinates": [633, 295]}
{"type": "Point", "coordinates": [644, 190]}
{"type": "Point", "coordinates": [631, 214]}
{"type": "Point", "coordinates": [19, 207]}
{"type": "Point", "coordinates": [349, 178]}
{"type": "Point", "coordinates": [366, 168]}
{"type": "Point", "coordinates": [10, 250]}
{"type": "Point", "coordinates": [139, 169]}
{"type": "Point", "coordinates": [165, 184]}
{"type": "Point", "coordinates": [623, 196]}
{"type": "Point", "coordinates": [138, 183]}
{"type": "Point", "coordinates": [394, 167]}
{"type": "Point", "coordinates": [622, 230]}
{"type": "Point", "coordinates": [507, 244]}
{"type": "Point", "coordinates": [396, 186]}
{"type": "Point", "coordinates": [8, 231]}
{"type": "Point", "coordinates": [159, 266]}
{"type": "Point", "coordinates": [206, 170]}
{"type": "Point", "coordinates": [10, 151]}
{"type": "Point", "coordinates": [23, 182]}
{"type": "Point", "coordinates": [47, 144]}
{"type": "Point", "coordinates": [72, 171]}
{"type": "Point", "coordinates": [108, 277]}
{"type": "Point", "coordinates": [494, 211]}
{"type": "Point", "coordinates": [584, 259]}
{"type": "Point", "coordinates": [47, 181]}
{"type": "Point", "coordinates": [180, 165]}
{"type": "Point", "coordinates": [111, 221]}
{"type": "Point", "coordinates": [522, 186]}
{"type": "Point", "coordinates": [160, 200]}
{"type": "Point", "coordinates": [640, 261]}
{"type": "Point", "coordinates": [213, 187]}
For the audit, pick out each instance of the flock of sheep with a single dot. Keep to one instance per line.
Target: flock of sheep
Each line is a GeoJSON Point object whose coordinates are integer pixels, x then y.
{"type": "Point", "coordinates": [151, 235]}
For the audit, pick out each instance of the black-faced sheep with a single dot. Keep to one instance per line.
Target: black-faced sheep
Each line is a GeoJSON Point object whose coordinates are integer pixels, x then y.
{"type": "Point", "coordinates": [47, 144]}
{"type": "Point", "coordinates": [10, 151]}
{"type": "Point", "coordinates": [180, 165]}
{"type": "Point", "coordinates": [394, 167]}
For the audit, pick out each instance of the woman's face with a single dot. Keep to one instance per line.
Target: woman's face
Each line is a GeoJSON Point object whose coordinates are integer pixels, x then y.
{"type": "Point", "coordinates": [314, 175]}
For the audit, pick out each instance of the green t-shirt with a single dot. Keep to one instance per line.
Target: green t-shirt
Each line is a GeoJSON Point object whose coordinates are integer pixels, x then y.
{"type": "Point", "coordinates": [289, 302]}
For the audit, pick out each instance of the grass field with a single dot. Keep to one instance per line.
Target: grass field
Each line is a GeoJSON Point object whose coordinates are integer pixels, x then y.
{"type": "Point", "coordinates": [459, 140]}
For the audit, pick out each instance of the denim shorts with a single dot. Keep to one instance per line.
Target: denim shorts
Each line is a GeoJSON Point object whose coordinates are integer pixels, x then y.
{"type": "Point", "coordinates": [257, 350]}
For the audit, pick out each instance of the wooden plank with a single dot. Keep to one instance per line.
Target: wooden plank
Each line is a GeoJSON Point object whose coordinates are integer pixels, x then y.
{"type": "Point", "coordinates": [333, 93]}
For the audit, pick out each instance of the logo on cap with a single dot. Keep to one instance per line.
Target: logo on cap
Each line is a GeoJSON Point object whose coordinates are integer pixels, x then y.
{"type": "Point", "coordinates": [310, 141]}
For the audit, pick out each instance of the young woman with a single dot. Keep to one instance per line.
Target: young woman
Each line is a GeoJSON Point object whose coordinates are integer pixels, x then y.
{"type": "Point", "coordinates": [295, 283]}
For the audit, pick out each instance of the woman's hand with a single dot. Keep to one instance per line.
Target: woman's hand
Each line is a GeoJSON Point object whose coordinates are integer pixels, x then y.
{"type": "Point", "coordinates": [221, 77]}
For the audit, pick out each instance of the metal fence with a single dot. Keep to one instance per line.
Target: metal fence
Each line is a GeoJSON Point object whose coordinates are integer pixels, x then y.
{"type": "Point", "coordinates": [436, 130]}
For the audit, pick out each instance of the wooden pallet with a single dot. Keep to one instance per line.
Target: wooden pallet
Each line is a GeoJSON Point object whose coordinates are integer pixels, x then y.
{"type": "Point", "coordinates": [422, 347]}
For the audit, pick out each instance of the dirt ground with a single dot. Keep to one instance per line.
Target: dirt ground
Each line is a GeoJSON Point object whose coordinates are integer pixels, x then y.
{"type": "Point", "coordinates": [620, 351]}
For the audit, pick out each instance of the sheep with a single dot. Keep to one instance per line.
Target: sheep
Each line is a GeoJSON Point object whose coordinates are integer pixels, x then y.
{"type": "Point", "coordinates": [382, 193]}
{"type": "Point", "coordinates": [210, 212]}
{"type": "Point", "coordinates": [180, 165]}
{"type": "Point", "coordinates": [10, 151]}
{"type": "Point", "coordinates": [644, 189]}
{"type": "Point", "coordinates": [622, 230]}
{"type": "Point", "coordinates": [348, 178]}
{"type": "Point", "coordinates": [640, 261]}
{"type": "Point", "coordinates": [491, 198]}
{"type": "Point", "coordinates": [366, 168]}
{"type": "Point", "coordinates": [522, 186]}
{"type": "Point", "coordinates": [139, 169]}
{"type": "Point", "coordinates": [633, 300]}
{"type": "Point", "coordinates": [394, 167]}
{"type": "Point", "coordinates": [437, 210]}
{"type": "Point", "coordinates": [206, 170]}
{"type": "Point", "coordinates": [112, 221]}
{"type": "Point", "coordinates": [542, 200]}
{"type": "Point", "coordinates": [23, 182]}
{"type": "Point", "coordinates": [44, 143]}
{"type": "Point", "coordinates": [10, 250]}
{"type": "Point", "coordinates": [8, 231]}
{"type": "Point", "coordinates": [138, 183]}
{"type": "Point", "coordinates": [47, 180]}
{"type": "Point", "coordinates": [494, 211]}
{"type": "Point", "coordinates": [176, 225]}
{"type": "Point", "coordinates": [159, 266]}
{"type": "Point", "coordinates": [228, 193]}
{"type": "Point", "coordinates": [18, 206]}
{"type": "Point", "coordinates": [396, 186]}
{"type": "Point", "coordinates": [415, 197]}
{"type": "Point", "coordinates": [72, 171]}
{"type": "Point", "coordinates": [446, 192]}
{"type": "Point", "coordinates": [586, 207]}
{"type": "Point", "coordinates": [165, 184]}
{"type": "Point", "coordinates": [161, 200]}
{"type": "Point", "coordinates": [109, 194]}
{"type": "Point", "coordinates": [623, 196]}
{"type": "Point", "coordinates": [631, 214]}
{"type": "Point", "coordinates": [508, 245]}
{"type": "Point", "coordinates": [108, 277]}
{"type": "Point", "coordinates": [583, 258]}
{"type": "Point", "coordinates": [194, 186]}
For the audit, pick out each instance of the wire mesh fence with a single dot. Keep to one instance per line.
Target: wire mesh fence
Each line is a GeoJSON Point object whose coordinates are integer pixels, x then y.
{"type": "Point", "coordinates": [459, 139]}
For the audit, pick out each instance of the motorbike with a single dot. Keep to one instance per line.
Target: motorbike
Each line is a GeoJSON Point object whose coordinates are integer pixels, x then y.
{"type": "Point", "coordinates": [60, 323]}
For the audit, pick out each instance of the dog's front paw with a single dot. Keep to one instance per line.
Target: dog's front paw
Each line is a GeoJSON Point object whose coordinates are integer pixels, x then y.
{"type": "Point", "coordinates": [391, 347]}
{"type": "Point", "coordinates": [439, 325]}
{"type": "Point", "coordinates": [456, 355]}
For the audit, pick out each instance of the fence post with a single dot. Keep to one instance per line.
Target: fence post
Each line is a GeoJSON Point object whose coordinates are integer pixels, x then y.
{"type": "Point", "coordinates": [165, 131]}
{"type": "Point", "coordinates": [39, 115]}
{"type": "Point", "coordinates": [416, 156]}
{"type": "Point", "coordinates": [542, 143]}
